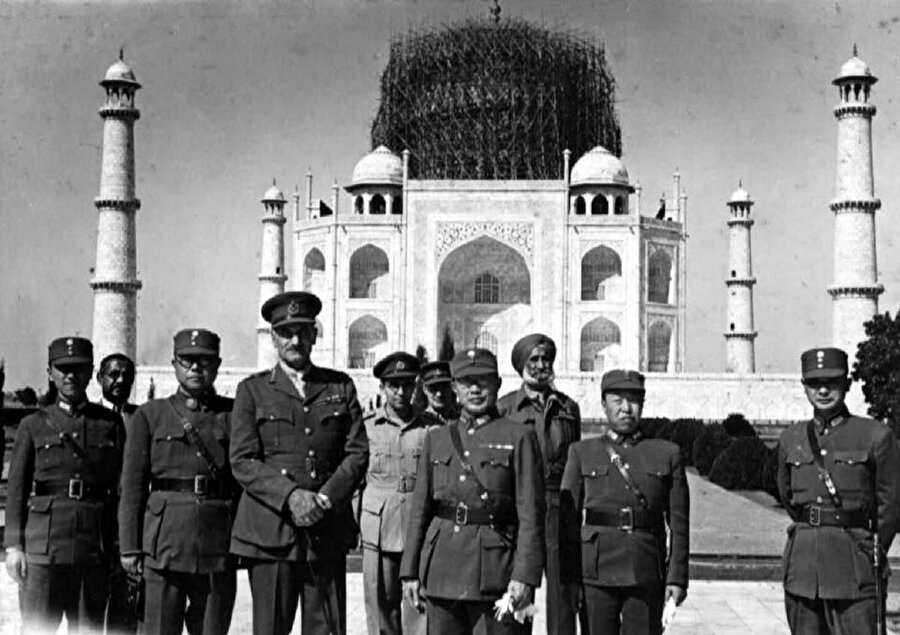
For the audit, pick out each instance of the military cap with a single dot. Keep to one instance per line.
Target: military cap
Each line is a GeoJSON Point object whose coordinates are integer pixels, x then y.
{"type": "Point", "coordinates": [473, 361]}
{"type": "Point", "coordinates": [522, 349]}
{"type": "Point", "coordinates": [435, 373]}
{"type": "Point", "coordinates": [397, 365]}
{"type": "Point", "coordinates": [71, 350]}
{"type": "Point", "coordinates": [824, 363]}
{"type": "Point", "coordinates": [196, 342]}
{"type": "Point", "coordinates": [292, 307]}
{"type": "Point", "coordinates": [625, 380]}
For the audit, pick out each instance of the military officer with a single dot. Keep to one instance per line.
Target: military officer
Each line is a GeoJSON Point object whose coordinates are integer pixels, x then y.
{"type": "Point", "coordinates": [438, 389]}
{"type": "Point", "coordinates": [116, 377]}
{"type": "Point", "coordinates": [299, 449]}
{"type": "Point", "coordinates": [620, 493]}
{"type": "Point", "coordinates": [476, 529]}
{"type": "Point", "coordinates": [177, 490]}
{"type": "Point", "coordinates": [396, 435]}
{"type": "Point", "coordinates": [63, 475]}
{"type": "Point", "coordinates": [839, 479]}
{"type": "Point", "coordinates": [556, 419]}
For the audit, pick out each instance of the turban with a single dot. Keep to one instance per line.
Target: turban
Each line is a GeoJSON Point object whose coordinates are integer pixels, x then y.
{"type": "Point", "coordinates": [522, 349]}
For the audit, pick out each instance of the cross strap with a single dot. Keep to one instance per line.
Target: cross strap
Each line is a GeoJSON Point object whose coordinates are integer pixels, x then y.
{"type": "Point", "coordinates": [616, 459]}
{"type": "Point", "coordinates": [66, 438]}
{"type": "Point", "coordinates": [483, 492]}
{"type": "Point", "coordinates": [824, 474]}
{"type": "Point", "coordinates": [197, 442]}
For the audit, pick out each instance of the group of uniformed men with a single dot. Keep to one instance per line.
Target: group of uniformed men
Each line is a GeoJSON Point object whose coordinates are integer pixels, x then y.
{"type": "Point", "coordinates": [464, 506]}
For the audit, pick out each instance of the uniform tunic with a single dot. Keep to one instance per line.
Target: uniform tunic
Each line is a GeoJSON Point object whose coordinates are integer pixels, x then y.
{"type": "Point", "coordinates": [64, 539]}
{"type": "Point", "coordinates": [473, 563]}
{"type": "Point", "coordinates": [183, 537]}
{"type": "Point", "coordinates": [282, 440]}
{"type": "Point", "coordinates": [609, 557]}
{"type": "Point", "coordinates": [394, 449]}
{"type": "Point", "coordinates": [835, 563]}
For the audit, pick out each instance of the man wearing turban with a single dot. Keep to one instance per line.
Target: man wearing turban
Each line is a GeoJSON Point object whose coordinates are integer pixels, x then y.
{"type": "Point", "coordinates": [556, 419]}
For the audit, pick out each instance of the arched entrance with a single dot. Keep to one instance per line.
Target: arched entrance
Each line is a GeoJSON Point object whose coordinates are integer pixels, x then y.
{"type": "Point", "coordinates": [600, 345]}
{"type": "Point", "coordinates": [366, 335]}
{"type": "Point", "coordinates": [369, 271]}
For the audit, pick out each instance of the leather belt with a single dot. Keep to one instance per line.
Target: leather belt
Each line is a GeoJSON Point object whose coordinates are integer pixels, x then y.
{"type": "Point", "coordinates": [199, 485]}
{"type": "Point", "coordinates": [817, 516]}
{"type": "Point", "coordinates": [462, 514]}
{"type": "Point", "coordinates": [74, 488]}
{"type": "Point", "coordinates": [626, 519]}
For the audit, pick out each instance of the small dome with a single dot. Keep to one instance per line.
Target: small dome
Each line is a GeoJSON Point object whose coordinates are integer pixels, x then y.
{"type": "Point", "coordinates": [273, 195]}
{"type": "Point", "coordinates": [855, 68]}
{"type": "Point", "coordinates": [379, 167]}
{"type": "Point", "coordinates": [740, 195]}
{"type": "Point", "coordinates": [599, 167]}
{"type": "Point", "coordinates": [120, 72]}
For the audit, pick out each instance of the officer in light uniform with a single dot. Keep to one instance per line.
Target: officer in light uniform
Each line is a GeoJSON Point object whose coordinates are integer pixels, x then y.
{"type": "Point", "coordinates": [177, 497]}
{"type": "Point", "coordinates": [299, 450]}
{"type": "Point", "coordinates": [63, 477]}
{"type": "Point", "coordinates": [621, 495]}
{"type": "Point", "coordinates": [476, 524]}
{"type": "Point", "coordinates": [396, 435]}
{"type": "Point", "coordinates": [839, 479]}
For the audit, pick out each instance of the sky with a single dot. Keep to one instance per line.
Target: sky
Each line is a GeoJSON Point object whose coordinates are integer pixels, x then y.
{"type": "Point", "coordinates": [238, 93]}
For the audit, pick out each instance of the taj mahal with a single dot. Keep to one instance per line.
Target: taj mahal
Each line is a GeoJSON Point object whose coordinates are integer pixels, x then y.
{"type": "Point", "coordinates": [488, 210]}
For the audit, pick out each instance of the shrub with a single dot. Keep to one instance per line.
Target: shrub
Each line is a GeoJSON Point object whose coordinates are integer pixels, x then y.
{"type": "Point", "coordinates": [685, 433]}
{"type": "Point", "coordinates": [737, 426]}
{"type": "Point", "coordinates": [738, 466]}
{"type": "Point", "coordinates": [768, 479]}
{"type": "Point", "coordinates": [708, 445]}
{"type": "Point", "coordinates": [650, 427]}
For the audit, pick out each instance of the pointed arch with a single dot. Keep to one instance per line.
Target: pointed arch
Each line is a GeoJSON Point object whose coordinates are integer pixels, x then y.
{"type": "Point", "coordinates": [313, 270]}
{"type": "Point", "coordinates": [365, 336]}
{"type": "Point", "coordinates": [377, 205]}
{"type": "Point", "coordinates": [598, 266]}
{"type": "Point", "coordinates": [659, 340]}
{"type": "Point", "coordinates": [659, 279]}
{"type": "Point", "coordinates": [600, 340]}
{"type": "Point", "coordinates": [599, 206]}
{"type": "Point", "coordinates": [369, 269]}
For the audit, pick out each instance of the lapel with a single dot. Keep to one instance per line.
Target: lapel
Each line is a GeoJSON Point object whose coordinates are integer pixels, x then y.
{"type": "Point", "coordinates": [279, 380]}
{"type": "Point", "coordinates": [314, 385]}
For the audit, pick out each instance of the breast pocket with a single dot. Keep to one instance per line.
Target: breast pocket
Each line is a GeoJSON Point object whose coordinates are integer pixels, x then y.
{"type": "Point", "coordinates": [379, 460]}
{"type": "Point", "coordinates": [596, 483]}
{"type": "Point", "coordinates": [851, 470]}
{"type": "Point", "coordinates": [102, 446]}
{"type": "Point", "coordinates": [275, 426]}
{"type": "Point", "coordinates": [804, 474]}
{"type": "Point", "coordinates": [655, 484]}
{"type": "Point", "coordinates": [440, 470]}
{"type": "Point", "coordinates": [49, 451]}
{"type": "Point", "coordinates": [496, 466]}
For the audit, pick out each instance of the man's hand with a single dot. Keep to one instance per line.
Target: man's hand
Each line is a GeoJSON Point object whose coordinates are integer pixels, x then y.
{"type": "Point", "coordinates": [304, 508]}
{"type": "Point", "coordinates": [16, 565]}
{"type": "Point", "coordinates": [132, 564]}
{"type": "Point", "coordinates": [412, 592]}
{"type": "Point", "coordinates": [675, 591]}
{"type": "Point", "coordinates": [520, 593]}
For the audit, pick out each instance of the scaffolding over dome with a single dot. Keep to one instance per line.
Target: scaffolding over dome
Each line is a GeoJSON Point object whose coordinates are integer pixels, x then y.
{"type": "Point", "coordinates": [479, 100]}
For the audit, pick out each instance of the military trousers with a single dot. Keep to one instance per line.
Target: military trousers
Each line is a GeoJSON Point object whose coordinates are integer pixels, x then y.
{"type": "Point", "coordinates": [120, 618]}
{"type": "Point", "coordinates": [278, 586]}
{"type": "Point", "coordinates": [51, 591]}
{"type": "Point", "coordinates": [464, 617]}
{"type": "Point", "coordinates": [629, 610]}
{"type": "Point", "coordinates": [561, 611]}
{"type": "Point", "coordinates": [829, 617]}
{"type": "Point", "coordinates": [200, 602]}
{"type": "Point", "coordinates": [387, 612]}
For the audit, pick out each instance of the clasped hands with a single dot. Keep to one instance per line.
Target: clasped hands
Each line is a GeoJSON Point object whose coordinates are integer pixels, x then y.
{"type": "Point", "coordinates": [306, 507]}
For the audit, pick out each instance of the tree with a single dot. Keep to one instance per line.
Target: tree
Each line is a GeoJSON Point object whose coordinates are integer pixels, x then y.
{"type": "Point", "coordinates": [27, 396]}
{"type": "Point", "coordinates": [447, 348]}
{"type": "Point", "coordinates": [422, 354]}
{"type": "Point", "coordinates": [151, 390]}
{"type": "Point", "coordinates": [877, 366]}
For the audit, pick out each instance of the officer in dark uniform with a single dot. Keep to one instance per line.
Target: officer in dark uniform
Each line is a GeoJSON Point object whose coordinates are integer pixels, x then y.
{"type": "Point", "coordinates": [438, 389]}
{"type": "Point", "coordinates": [619, 495]}
{"type": "Point", "coordinates": [476, 528]}
{"type": "Point", "coordinates": [839, 479]}
{"type": "Point", "coordinates": [556, 419]}
{"type": "Point", "coordinates": [63, 476]}
{"type": "Point", "coordinates": [396, 435]}
{"type": "Point", "coordinates": [299, 449]}
{"type": "Point", "coordinates": [116, 378]}
{"type": "Point", "coordinates": [177, 497]}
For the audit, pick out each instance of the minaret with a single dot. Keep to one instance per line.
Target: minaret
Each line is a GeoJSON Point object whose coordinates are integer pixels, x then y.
{"type": "Point", "coordinates": [271, 269]}
{"type": "Point", "coordinates": [115, 282]}
{"type": "Point", "coordinates": [855, 290]}
{"type": "Point", "coordinates": [739, 335]}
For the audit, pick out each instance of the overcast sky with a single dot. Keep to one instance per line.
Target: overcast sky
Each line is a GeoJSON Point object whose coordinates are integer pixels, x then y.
{"type": "Point", "coordinates": [236, 93]}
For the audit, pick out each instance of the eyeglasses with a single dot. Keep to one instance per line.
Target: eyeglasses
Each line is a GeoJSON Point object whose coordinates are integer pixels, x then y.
{"type": "Point", "coordinates": [188, 361]}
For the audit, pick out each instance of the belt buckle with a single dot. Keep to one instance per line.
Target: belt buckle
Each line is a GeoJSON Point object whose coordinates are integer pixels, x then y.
{"type": "Point", "coordinates": [815, 516]}
{"type": "Point", "coordinates": [76, 488]}
{"type": "Point", "coordinates": [201, 485]}
{"type": "Point", "coordinates": [462, 514]}
{"type": "Point", "coordinates": [626, 519]}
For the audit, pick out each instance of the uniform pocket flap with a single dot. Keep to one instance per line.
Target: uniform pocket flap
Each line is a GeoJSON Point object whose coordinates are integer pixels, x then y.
{"type": "Point", "coordinates": [169, 434]}
{"type": "Point", "coordinates": [47, 441]}
{"type": "Point", "coordinates": [40, 504]}
{"type": "Point", "coordinates": [656, 473]}
{"type": "Point", "coordinates": [268, 413]}
{"type": "Point", "coordinates": [492, 540]}
{"type": "Point", "coordinates": [798, 458]}
{"type": "Point", "coordinates": [373, 505]}
{"type": "Point", "coordinates": [156, 504]}
{"type": "Point", "coordinates": [496, 456]}
{"type": "Point", "coordinates": [851, 456]}
{"type": "Point", "coordinates": [593, 471]}
{"type": "Point", "coordinates": [441, 458]}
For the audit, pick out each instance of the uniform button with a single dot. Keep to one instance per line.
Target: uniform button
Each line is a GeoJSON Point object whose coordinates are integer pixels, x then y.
{"type": "Point", "coordinates": [168, 437]}
{"type": "Point", "coordinates": [462, 477]}
{"type": "Point", "coordinates": [312, 475]}
{"type": "Point", "coordinates": [200, 455]}
{"type": "Point", "coordinates": [305, 408]}
{"type": "Point", "coordinates": [312, 452]}
{"type": "Point", "coordinates": [456, 528]}
{"type": "Point", "coordinates": [283, 472]}
{"type": "Point", "coordinates": [74, 435]}
{"type": "Point", "coordinates": [627, 466]}
{"type": "Point", "coordinates": [823, 451]}
{"type": "Point", "coordinates": [818, 499]}
{"type": "Point", "coordinates": [308, 430]}
{"type": "Point", "coordinates": [466, 453]}
{"type": "Point", "coordinates": [75, 454]}
{"type": "Point", "coordinates": [471, 430]}
{"type": "Point", "coordinates": [62, 435]}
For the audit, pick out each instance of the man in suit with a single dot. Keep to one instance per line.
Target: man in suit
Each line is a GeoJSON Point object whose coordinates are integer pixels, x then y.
{"type": "Point", "coordinates": [476, 528]}
{"type": "Point", "coordinates": [299, 450]}
{"type": "Point", "coordinates": [396, 435]}
{"type": "Point", "coordinates": [839, 479]}
{"type": "Point", "coordinates": [177, 497]}
{"type": "Point", "coordinates": [621, 495]}
{"type": "Point", "coordinates": [556, 419]}
{"type": "Point", "coordinates": [63, 477]}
